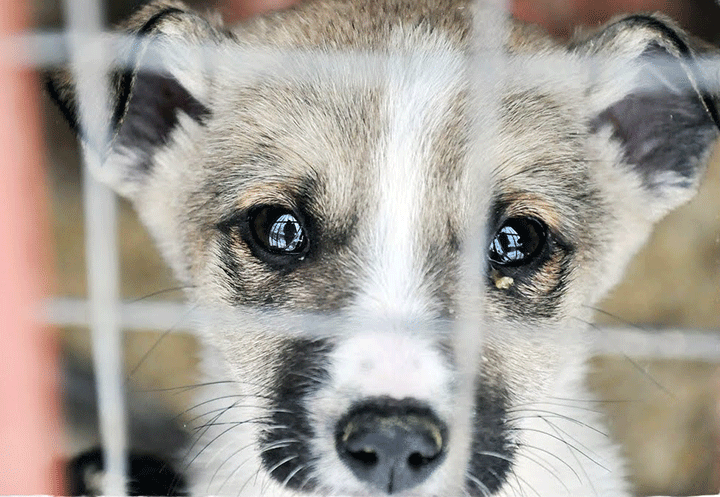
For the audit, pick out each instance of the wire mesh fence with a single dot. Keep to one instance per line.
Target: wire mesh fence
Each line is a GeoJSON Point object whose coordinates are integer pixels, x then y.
{"type": "Point", "coordinates": [85, 45]}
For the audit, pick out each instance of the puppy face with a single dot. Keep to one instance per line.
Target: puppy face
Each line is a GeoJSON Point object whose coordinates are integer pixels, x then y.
{"type": "Point", "coordinates": [396, 233]}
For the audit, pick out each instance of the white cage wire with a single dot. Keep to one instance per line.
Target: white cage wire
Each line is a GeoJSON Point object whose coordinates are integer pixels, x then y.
{"type": "Point", "coordinates": [107, 316]}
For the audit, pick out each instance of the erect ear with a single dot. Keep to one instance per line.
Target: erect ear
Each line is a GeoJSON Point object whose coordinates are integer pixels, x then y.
{"type": "Point", "coordinates": [158, 74]}
{"type": "Point", "coordinates": [653, 99]}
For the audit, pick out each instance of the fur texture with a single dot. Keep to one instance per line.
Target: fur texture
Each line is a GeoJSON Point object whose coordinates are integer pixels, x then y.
{"type": "Point", "coordinates": [399, 214]}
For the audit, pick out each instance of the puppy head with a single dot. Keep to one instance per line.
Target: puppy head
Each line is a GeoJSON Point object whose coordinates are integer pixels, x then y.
{"type": "Point", "coordinates": [318, 177]}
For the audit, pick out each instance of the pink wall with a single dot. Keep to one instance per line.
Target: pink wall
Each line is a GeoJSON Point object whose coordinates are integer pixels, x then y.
{"type": "Point", "coordinates": [29, 425]}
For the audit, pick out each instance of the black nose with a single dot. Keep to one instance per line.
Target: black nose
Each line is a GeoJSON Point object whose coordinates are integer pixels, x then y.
{"type": "Point", "coordinates": [392, 445]}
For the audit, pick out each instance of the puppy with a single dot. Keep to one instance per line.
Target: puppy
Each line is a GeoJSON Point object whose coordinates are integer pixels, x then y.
{"type": "Point", "coordinates": [394, 218]}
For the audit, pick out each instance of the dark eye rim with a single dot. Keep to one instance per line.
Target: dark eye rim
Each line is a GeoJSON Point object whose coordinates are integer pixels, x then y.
{"type": "Point", "coordinates": [536, 257]}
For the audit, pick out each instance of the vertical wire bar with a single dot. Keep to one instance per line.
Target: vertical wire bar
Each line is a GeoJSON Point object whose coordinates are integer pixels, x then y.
{"type": "Point", "coordinates": [485, 68]}
{"type": "Point", "coordinates": [101, 249]}
{"type": "Point", "coordinates": [85, 20]}
{"type": "Point", "coordinates": [30, 429]}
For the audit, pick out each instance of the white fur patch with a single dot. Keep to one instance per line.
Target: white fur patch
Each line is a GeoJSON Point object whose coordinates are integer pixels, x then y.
{"type": "Point", "coordinates": [416, 100]}
{"type": "Point", "coordinates": [396, 365]}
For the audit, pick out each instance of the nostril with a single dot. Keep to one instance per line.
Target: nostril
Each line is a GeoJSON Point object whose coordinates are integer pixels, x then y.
{"type": "Point", "coordinates": [417, 460]}
{"type": "Point", "coordinates": [367, 457]}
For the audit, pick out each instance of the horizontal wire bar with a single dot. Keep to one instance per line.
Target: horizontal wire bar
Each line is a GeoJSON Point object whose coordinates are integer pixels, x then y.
{"type": "Point", "coordinates": [133, 315]}
{"type": "Point", "coordinates": [655, 344]}
{"type": "Point", "coordinates": [48, 49]}
{"type": "Point", "coordinates": [658, 343]}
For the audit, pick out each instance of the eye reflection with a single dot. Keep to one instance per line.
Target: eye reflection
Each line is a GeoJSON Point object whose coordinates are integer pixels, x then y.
{"type": "Point", "coordinates": [286, 234]}
{"type": "Point", "coordinates": [508, 242]}
{"type": "Point", "coordinates": [517, 241]}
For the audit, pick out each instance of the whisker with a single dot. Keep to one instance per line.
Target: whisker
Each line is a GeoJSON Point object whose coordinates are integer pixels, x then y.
{"type": "Point", "coordinates": [234, 406]}
{"type": "Point", "coordinates": [546, 467]}
{"type": "Point", "coordinates": [484, 490]}
{"type": "Point", "coordinates": [198, 437]}
{"type": "Point", "coordinates": [237, 468]}
{"type": "Point", "coordinates": [157, 343]}
{"type": "Point", "coordinates": [497, 477]}
{"type": "Point", "coordinates": [558, 458]}
{"type": "Point", "coordinates": [292, 474]}
{"type": "Point", "coordinates": [617, 318]}
{"type": "Point", "coordinates": [632, 362]}
{"type": "Point", "coordinates": [307, 480]}
{"type": "Point", "coordinates": [574, 456]}
{"type": "Point", "coordinates": [554, 415]}
{"type": "Point", "coordinates": [164, 291]}
{"type": "Point", "coordinates": [215, 399]}
{"type": "Point", "coordinates": [185, 388]}
{"type": "Point", "coordinates": [232, 427]}
{"type": "Point", "coordinates": [563, 441]}
{"type": "Point", "coordinates": [496, 455]}
{"type": "Point", "coordinates": [279, 444]}
{"type": "Point", "coordinates": [503, 457]}
{"type": "Point", "coordinates": [559, 404]}
{"type": "Point", "coordinates": [259, 421]}
{"type": "Point", "coordinates": [524, 483]}
{"type": "Point", "coordinates": [227, 459]}
{"type": "Point", "coordinates": [649, 377]}
{"type": "Point", "coordinates": [276, 466]}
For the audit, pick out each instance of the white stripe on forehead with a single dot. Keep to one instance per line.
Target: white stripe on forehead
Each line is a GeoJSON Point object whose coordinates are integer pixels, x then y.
{"type": "Point", "coordinates": [418, 92]}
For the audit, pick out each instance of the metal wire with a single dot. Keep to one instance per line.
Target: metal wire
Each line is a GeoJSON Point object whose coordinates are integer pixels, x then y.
{"type": "Point", "coordinates": [101, 247]}
{"type": "Point", "coordinates": [106, 315]}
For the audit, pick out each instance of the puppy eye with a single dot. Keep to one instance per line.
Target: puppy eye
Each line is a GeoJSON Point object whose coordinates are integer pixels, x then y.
{"type": "Point", "coordinates": [518, 241]}
{"type": "Point", "coordinates": [278, 230]}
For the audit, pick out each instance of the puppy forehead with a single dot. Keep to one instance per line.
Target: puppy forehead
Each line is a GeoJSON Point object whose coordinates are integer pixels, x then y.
{"type": "Point", "coordinates": [348, 141]}
{"type": "Point", "coordinates": [345, 128]}
{"type": "Point", "coordinates": [349, 138]}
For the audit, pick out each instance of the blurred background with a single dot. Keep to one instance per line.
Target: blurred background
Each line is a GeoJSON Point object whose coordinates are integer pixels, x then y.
{"type": "Point", "coordinates": [664, 412]}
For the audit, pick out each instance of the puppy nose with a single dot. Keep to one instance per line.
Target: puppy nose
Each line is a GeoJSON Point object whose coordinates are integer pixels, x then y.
{"type": "Point", "coordinates": [392, 445]}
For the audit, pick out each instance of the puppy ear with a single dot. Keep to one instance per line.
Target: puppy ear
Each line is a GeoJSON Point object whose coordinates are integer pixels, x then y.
{"type": "Point", "coordinates": [652, 98]}
{"type": "Point", "coordinates": [157, 75]}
